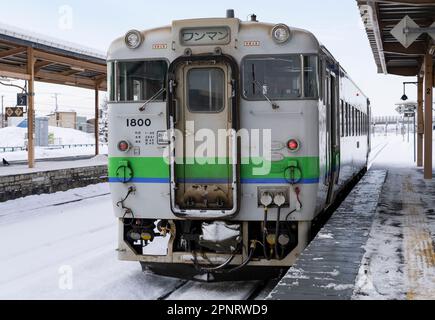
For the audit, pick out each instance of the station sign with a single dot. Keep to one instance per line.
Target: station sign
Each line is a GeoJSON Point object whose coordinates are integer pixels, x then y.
{"type": "Point", "coordinates": [15, 112]}
{"type": "Point", "coordinates": [21, 99]}
{"type": "Point", "coordinates": [407, 31]}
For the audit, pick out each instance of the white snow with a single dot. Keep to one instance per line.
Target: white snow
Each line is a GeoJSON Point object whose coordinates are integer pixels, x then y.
{"type": "Point", "coordinates": [215, 291]}
{"type": "Point", "coordinates": [393, 267]}
{"type": "Point", "coordinates": [325, 236]}
{"type": "Point", "coordinates": [42, 243]}
{"type": "Point", "coordinates": [52, 248]}
{"type": "Point", "coordinates": [16, 137]}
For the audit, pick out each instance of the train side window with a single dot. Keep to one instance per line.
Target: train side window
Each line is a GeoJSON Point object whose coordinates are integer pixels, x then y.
{"type": "Point", "coordinates": [341, 118]}
{"type": "Point", "coordinates": [367, 124]}
{"type": "Point", "coordinates": [321, 84]}
{"type": "Point", "coordinates": [352, 121]}
{"type": "Point", "coordinates": [358, 126]}
{"type": "Point", "coordinates": [310, 77]}
{"type": "Point", "coordinates": [346, 119]}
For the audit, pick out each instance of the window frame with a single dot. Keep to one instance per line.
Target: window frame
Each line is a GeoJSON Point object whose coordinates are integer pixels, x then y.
{"type": "Point", "coordinates": [114, 72]}
{"type": "Point", "coordinates": [301, 81]}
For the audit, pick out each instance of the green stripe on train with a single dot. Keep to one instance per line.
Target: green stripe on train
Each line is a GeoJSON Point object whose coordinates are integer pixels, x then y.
{"type": "Point", "coordinates": [158, 168]}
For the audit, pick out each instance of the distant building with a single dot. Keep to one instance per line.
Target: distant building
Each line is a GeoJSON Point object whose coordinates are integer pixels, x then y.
{"type": "Point", "coordinates": [63, 120]}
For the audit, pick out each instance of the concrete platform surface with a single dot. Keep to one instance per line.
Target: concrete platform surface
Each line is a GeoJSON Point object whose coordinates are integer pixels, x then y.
{"type": "Point", "coordinates": [378, 245]}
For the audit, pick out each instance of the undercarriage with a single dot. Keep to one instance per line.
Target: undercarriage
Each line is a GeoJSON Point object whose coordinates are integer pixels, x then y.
{"type": "Point", "coordinates": [213, 250]}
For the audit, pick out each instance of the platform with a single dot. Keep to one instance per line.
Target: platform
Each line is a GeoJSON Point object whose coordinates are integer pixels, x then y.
{"type": "Point", "coordinates": [378, 245]}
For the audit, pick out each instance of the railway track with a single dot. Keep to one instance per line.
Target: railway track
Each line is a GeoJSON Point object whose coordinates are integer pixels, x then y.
{"type": "Point", "coordinates": [245, 291]}
{"type": "Point", "coordinates": [376, 151]}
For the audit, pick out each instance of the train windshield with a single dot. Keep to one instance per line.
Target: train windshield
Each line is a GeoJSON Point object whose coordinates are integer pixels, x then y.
{"type": "Point", "coordinates": [137, 80]}
{"type": "Point", "coordinates": [280, 77]}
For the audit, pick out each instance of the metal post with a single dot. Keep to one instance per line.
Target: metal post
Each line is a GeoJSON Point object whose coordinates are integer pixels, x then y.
{"type": "Point", "coordinates": [31, 106]}
{"type": "Point", "coordinates": [407, 124]}
{"type": "Point", "coordinates": [97, 117]}
{"type": "Point", "coordinates": [415, 142]}
{"type": "Point", "coordinates": [428, 116]}
{"type": "Point", "coordinates": [420, 119]}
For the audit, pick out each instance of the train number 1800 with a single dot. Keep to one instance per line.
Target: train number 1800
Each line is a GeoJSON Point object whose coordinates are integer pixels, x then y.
{"type": "Point", "coordinates": [138, 123]}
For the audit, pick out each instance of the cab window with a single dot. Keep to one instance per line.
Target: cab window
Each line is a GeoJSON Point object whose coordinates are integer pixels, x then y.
{"type": "Point", "coordinates": [137, 80]}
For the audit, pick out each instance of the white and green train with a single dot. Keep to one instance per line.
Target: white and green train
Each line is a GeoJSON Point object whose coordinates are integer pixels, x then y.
{"type": "Point", "coordinates": [227, 140]}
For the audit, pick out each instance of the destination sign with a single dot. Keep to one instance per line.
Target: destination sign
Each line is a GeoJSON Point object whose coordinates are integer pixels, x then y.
{"type": "Point", "coordinates": [205, 36]}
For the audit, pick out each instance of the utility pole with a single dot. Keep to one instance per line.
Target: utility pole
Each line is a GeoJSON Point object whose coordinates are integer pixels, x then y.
{"type": "Point", "coordinates": [55, 95]}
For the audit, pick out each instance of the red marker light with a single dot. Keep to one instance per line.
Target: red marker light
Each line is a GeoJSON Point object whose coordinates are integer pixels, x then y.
{"type": "Point", "coordinates": [123, 146]}
{"type": "Point", "coordinates": [293, 145]}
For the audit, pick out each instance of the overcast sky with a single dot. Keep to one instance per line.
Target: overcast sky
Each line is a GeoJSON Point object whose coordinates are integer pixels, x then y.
{"type": "Point", "coordinates": [336, 23]}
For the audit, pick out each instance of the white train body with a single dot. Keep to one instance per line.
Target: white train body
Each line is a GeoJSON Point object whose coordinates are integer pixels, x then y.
{"type": "Point", "coordinates": [203, 76]}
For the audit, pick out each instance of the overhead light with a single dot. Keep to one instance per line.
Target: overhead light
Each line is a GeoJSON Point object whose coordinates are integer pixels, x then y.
{"type": "Point", "coordinates": [404, 97]}
{"type": "Point", "coordinates": [281, 33]}
{"type": "Point", "coordinates": [133, 39]}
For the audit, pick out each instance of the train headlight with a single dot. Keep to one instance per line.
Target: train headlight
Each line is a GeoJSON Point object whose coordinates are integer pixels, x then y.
{"type": "Point", "coordinates": [133, 39]}
{"type": "Point", "coordinates": [293, 145]}
{"type": "Point", "coordinates": [281, 33]}
{"type": "Point", "coordinates": [124, 146]}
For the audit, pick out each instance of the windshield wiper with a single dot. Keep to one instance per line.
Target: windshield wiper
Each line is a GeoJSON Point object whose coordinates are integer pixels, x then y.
{"type": "Point", "coordinates": [152, 99]}
{"type": "Point", "coordinates": [273, 104]}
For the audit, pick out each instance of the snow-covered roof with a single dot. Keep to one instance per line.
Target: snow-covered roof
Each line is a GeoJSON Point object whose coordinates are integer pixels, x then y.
{"type": "Point", "coordinates": [46, 42]}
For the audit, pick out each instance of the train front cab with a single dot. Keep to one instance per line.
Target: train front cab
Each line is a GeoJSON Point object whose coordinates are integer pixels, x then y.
{"type": "Point", "coordinates": [210, 91]}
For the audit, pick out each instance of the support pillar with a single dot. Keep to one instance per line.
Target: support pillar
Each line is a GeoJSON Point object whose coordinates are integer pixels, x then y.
{"type": "Point", "coordinates": [428, 116]}
{"type": "Point", "coordinates": [30, 107]}
{"type": "Point", "coordinates": [97, 118]}
{"type": "Point", "coordinates": [420, 126]}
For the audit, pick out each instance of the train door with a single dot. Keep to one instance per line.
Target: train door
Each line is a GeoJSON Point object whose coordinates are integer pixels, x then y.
{"type": "Point", "coordinates": [333, 138]}
{"type": "Point", "coordinates": [203, 111]}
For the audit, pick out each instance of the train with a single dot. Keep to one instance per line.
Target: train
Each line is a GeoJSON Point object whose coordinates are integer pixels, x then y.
{"type": "Point", "coordinates": [227, 140]}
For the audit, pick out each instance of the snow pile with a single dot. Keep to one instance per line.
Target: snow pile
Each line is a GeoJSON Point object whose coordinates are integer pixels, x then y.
{"type": "Point", "coordinates": [71, 136]}
{"type": "Point", "coordinates": [15, 137]}
{"type": "Point", "coordinates": [12, 137]}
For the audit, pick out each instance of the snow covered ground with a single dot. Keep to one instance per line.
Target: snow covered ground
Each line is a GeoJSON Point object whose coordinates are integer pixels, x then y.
{"type": "Point", "coordinates": [63, 246]}
{"type": "Point", "coordinates": [68, 250]}
{"type": "Point", "coordinates": [400, 259]}
{"type": "Point", "coordinates": [15, 137]}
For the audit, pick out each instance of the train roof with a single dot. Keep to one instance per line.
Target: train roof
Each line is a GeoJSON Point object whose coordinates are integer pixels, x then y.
{"type": "Point", "coordinates": [170, 35]}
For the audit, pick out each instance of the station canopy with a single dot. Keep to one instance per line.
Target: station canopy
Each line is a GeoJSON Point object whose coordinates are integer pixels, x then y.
{"type": "Point", "coordinates": [381, 16]}
{"type": "Point", "coordinates": [55, 61]}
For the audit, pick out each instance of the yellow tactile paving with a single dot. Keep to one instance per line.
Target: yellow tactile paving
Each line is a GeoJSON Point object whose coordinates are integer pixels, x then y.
{"type": "Point", "coordinates": [419, 250]}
